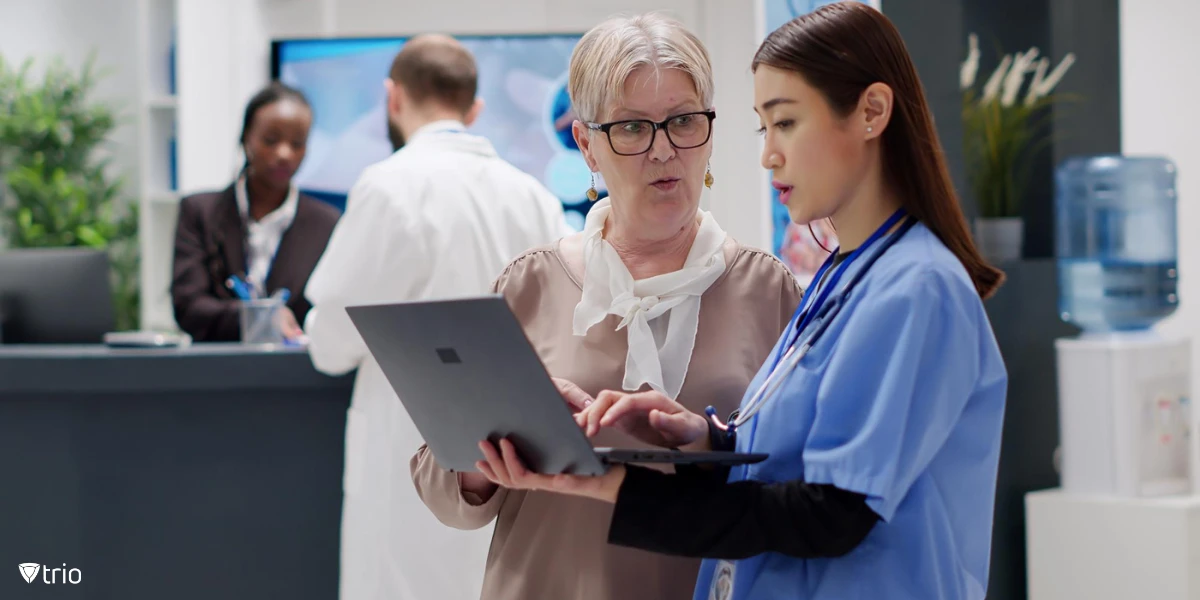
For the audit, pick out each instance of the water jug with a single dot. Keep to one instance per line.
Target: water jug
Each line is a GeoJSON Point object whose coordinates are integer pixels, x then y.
{"type": "Point", "coordinates": [1116, 241]}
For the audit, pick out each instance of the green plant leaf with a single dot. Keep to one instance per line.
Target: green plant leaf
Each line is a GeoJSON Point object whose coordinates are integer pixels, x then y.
{"type": "Point", "coordinates": [57, 190]}
{"type": "Point", "coordinates": [1001, 145]}
{"type": "Point", "coordinates": [89, 236]}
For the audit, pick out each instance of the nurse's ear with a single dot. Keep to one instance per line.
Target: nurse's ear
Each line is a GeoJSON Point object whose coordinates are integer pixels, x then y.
{"type": "Point", "coordinates": [875, 106]}
{"type": "Point", "coordinates": [473, 112]}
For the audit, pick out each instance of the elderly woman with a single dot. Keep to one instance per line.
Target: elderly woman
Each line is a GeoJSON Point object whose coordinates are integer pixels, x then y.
{"type": "Point", "coordinates": [643, 298]}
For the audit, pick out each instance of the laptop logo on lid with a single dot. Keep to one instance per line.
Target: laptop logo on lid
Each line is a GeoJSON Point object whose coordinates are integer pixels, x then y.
{"type": "Point", "coordinates": [448, 356]}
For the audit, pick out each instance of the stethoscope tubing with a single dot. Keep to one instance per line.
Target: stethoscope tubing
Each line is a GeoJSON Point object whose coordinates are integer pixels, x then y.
{"type": "Point", "coordinates": [795, 354]}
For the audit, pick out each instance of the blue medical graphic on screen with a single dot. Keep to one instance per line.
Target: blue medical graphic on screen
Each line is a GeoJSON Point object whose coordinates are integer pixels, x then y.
{"type": "Point", "coordinates": [522, 80]}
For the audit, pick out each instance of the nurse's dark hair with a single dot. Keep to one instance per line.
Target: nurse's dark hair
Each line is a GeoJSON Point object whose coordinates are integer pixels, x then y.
{"type": "Point", "coordinates": [841, 49]}
{"type": "Point", "coordinates": [274, 92]}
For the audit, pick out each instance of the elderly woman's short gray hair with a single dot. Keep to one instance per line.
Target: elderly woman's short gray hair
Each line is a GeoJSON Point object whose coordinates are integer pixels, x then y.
{"type": "Point", "coordinates": [607, 54]}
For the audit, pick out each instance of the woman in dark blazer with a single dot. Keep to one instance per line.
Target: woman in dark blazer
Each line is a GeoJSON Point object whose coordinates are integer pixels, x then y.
{"type": "Point", "coordinates": [260, 228]}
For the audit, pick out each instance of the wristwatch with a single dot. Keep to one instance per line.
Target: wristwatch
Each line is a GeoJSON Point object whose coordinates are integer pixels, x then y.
{"type": "Point", "coordinates": [722, 439]}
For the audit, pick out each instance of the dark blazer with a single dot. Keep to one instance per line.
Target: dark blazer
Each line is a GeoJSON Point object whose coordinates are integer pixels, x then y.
{"type": "Point", "coordinates": [210, 245]}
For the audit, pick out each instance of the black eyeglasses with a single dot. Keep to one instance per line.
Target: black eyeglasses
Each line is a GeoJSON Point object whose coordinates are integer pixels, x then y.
{"type": "Point", "coordinates": [633, 137]}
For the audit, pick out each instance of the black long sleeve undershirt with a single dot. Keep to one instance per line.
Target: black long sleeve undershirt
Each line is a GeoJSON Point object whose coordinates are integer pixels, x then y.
{"type": "Point", "coordinates": [695, 513]}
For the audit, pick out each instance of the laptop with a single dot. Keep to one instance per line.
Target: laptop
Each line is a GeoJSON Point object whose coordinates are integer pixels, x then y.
{"type": "Point", "coordinates": [465, 371]}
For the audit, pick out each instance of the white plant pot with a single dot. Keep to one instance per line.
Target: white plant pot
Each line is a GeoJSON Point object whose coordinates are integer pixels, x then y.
{"type": "Point", "coordinates": [1000, 239]}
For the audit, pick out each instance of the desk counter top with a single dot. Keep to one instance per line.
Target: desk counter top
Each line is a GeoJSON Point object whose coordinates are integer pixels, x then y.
{"type": "Point", "coordinates": [209, 367]}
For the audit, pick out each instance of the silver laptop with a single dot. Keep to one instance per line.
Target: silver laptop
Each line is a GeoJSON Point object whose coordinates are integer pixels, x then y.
{"type": "Point", "coordinates": [465, 372]}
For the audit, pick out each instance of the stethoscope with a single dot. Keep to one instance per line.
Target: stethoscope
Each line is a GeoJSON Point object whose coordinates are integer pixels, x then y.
{"type": "Point", "coordinates": [819, 314]}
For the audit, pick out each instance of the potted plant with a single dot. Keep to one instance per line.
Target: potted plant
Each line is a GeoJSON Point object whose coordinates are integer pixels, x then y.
{"type": "Point", "coordinates": [1005, 125]}
{"type": "Point", "coordinates": [54, 188]}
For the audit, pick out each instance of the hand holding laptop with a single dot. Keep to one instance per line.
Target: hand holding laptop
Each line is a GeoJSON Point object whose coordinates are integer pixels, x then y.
{"type": "Point", "coordinates": [482, 488]}
{"type": "Point", "coordinates": [502, 465]}
{"type": "Point", "coordinates": [649, 416]}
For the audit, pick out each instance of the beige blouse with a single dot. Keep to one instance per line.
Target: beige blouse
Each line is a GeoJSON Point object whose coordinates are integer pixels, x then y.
{"type": "Point", "coordinates": [554, 547]}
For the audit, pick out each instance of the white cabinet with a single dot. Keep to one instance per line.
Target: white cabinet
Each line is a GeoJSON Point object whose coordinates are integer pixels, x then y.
{"type": "Point", "coordinates": [1098, 547]}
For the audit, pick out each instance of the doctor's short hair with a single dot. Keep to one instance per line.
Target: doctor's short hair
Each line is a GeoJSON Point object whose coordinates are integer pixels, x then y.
{"type": "Point", "coordinates": [437, 68]}
{"type": "Point", "coordinates": [608, 53]}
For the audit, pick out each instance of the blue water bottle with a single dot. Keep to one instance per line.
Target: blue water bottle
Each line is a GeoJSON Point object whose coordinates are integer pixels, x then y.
{"type": "Point", "coordinates": [1116, 241]}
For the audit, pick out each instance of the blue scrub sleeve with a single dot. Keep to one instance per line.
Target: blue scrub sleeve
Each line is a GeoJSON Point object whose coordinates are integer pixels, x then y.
{"type": "Point", "coordinates": [896, 384]}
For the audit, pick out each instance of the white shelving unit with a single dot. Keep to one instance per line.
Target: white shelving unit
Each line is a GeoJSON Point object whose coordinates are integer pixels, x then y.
{"type": "Point", "coordinates": [157, 127]}
{"type": "Point", "coordinates": [194, 84]}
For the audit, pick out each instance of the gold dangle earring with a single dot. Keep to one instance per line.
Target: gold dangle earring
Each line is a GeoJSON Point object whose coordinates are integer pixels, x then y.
{"type": "Point", "coordinates": [592, 194]}
{"type": "Point", "coordinates": [708, 178]}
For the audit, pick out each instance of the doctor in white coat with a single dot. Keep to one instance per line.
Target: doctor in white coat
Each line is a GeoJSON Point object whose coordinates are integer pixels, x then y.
{"type": "Point", "coordinates": [439, 218]}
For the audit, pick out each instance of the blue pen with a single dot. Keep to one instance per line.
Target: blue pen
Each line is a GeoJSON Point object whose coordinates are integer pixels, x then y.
{"type": "Point", "coordinates": [238, 287]}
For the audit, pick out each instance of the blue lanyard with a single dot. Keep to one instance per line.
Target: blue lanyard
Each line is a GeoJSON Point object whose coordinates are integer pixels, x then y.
{"type": "Point", "coordinates": [818, 309]}
{"type": "Point", "coordinates": [807, 315]}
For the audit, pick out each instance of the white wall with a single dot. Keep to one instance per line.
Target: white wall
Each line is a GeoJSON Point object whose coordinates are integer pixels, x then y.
{"type": "Point", "coordinates": [221, 66]}
{"type": "Point", "coordinates": [71, 29]}
{"type": "Point", "coordinates": [1158, 91]}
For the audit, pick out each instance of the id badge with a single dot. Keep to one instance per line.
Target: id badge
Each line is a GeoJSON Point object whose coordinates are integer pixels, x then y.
{"type": "Point", "coordinates": [722, 582]}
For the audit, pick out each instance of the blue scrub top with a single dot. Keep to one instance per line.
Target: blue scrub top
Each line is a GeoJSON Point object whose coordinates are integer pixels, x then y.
{"type": "Point", "coordinates": [902, 400]}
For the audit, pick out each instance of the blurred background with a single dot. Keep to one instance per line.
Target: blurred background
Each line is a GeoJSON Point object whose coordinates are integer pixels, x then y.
{"type": "Point", "coordinates": [216, 471]}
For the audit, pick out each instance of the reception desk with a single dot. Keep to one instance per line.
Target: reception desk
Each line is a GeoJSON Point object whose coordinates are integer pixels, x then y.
{"type": "Point", "coordinates": [207, 472]}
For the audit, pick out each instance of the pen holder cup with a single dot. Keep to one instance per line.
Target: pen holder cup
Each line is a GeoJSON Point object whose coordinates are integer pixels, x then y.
{"type": "Point", "coordinates": [260, 321]}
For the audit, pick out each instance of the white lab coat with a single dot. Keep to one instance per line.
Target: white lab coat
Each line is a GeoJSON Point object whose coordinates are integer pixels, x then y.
{"type": "Point", "coordinates": [440, 218]}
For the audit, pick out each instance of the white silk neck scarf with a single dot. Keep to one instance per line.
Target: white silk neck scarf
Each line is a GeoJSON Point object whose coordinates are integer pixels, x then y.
{"type": "Point", "coordinates": [659, 352]}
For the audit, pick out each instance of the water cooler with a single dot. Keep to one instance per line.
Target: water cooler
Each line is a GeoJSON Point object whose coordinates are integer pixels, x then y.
{"type": "Point", "coordinates": [1126, 521]}
{"type": "Point", "coordinates": [1124, 417]}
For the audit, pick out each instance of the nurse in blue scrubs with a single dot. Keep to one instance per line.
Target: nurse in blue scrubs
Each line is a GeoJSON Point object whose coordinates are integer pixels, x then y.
{"type": "Point", "coordinates": [881, 405]}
